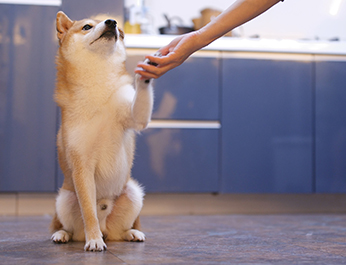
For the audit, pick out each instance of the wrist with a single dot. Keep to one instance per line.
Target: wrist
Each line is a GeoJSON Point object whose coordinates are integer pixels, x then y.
{"type": "Point", "coordinates": [200, 39]}
{"type": "Point", "coordinates": [204, 37]}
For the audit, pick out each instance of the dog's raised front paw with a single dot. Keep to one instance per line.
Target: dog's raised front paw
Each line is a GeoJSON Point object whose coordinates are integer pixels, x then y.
{"type": "Point", "coordinates": [142, 82]}
{"type": "Point", "coordinates": [61, 236]}
{"type": "Point", "coordinates": [134, 235]}
{"type": "Point", "coordinates": [95, 245]}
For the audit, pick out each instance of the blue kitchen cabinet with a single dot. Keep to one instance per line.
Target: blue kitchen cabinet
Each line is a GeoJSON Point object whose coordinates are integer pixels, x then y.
{"type": "Point", "coordinates": [178, 160]}
{"type": "Point", "coordinates": [267, 126]}
{"type": "Point", "coordinates": [331, 126]}
{"type": "Point", "coordinates": [189, 92]}
{"type": "Point", "coordinates": [27, 110]}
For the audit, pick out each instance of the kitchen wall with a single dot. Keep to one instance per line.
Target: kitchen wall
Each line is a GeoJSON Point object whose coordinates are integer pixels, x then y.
{"type": "Point", "coordinates": [294, 19]}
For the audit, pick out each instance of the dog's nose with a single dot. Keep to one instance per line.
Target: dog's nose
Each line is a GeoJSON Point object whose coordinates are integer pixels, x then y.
{"type": "Point", "coordinates": [111, 23]}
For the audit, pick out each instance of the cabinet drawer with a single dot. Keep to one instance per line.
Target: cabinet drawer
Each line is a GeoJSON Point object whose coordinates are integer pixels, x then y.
{"type": "Point", "coordinates": [177, 160]}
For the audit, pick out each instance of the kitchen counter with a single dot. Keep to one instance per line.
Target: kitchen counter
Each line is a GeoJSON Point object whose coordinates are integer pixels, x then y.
{"type": "Point", "coordinates": [246, 45]}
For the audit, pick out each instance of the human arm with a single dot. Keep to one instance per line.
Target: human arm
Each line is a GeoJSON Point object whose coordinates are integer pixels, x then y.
{"type": "Point", "coordinates": [176, 52]}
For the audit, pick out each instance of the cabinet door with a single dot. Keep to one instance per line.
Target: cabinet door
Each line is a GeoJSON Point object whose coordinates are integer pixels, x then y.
{"type": "Point", "coordinates": [331, 126]}
{"type": "Point", "coordinates": [177, 160]}
{"type": "Point", "coordinates": [267, 126]}
{"type": "Point", "coordinates": [188, 92]}
{"type": "Point", "coordinates": [28, 112]}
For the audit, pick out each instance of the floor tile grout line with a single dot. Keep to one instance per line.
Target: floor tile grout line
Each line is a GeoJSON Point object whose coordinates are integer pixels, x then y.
{"type": "Point", "coordinates": [117, 257]}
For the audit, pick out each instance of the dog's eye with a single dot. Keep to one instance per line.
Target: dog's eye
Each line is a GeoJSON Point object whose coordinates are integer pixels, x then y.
{"type": "Point", "coordinates": [87, 27]}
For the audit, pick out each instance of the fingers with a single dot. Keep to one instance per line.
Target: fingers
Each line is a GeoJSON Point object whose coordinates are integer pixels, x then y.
{"type": "Point", "coordinates": [159, 60]}
{"type": "Point", "coordinates": [145, 75]}
{"type": "Point", "coordinates": [159, 65]}
{"type": "Point", "coordinates": [148, 71]}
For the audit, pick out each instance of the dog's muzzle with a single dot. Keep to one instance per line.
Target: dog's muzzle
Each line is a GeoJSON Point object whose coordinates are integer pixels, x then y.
{"type": "Point", "coordinates": [109, 32]}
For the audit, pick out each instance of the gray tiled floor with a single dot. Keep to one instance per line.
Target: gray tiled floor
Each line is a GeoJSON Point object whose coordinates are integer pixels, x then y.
{"type": "Point", "coordinates": [230, 239]}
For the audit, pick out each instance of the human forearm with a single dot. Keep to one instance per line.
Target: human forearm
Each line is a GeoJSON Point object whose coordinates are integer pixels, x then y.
{"type": "Point", "coordinates": [237, 14]}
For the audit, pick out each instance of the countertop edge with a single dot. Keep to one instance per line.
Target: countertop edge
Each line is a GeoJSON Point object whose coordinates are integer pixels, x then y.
{"type": "Point", "coordinates": [233, 44]}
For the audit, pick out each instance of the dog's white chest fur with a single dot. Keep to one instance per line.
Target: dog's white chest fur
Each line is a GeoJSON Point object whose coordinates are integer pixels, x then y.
{"type": "Point", "coordinates": [104, 141]}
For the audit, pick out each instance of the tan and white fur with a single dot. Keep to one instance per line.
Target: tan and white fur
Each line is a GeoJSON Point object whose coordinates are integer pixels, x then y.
{"type": "Point", "coordinates": [100, 112]}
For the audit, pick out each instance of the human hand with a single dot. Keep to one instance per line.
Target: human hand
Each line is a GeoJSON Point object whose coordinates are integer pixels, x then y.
{"type": "Point", "coordinates": [171, 56]}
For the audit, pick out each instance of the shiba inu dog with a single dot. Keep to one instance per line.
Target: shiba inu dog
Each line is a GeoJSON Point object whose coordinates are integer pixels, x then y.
{"type": "Point", "coordinates": [100, 113]}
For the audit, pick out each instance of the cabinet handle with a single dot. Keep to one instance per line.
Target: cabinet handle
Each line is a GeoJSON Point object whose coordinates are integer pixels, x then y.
{"type": "Point", "coordinates": [184, 124]}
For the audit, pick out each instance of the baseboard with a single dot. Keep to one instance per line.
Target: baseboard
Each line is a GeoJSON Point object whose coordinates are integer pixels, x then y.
{"type": "Point", "coordinates": [24, 204]}
{"type": "Point", "coordinates": [173, 204]}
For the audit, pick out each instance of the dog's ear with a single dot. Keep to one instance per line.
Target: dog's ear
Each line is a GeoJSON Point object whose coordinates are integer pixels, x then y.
{"type": "Point", "coordinates": [63, 23]}
{"type": "Point", "coordinates": [121, 33]}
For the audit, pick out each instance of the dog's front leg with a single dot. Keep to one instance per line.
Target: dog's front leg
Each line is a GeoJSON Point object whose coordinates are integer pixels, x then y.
{"type": "Point", "coordinates": [142, 104]}
{"type": "Point", "coordinates": [84, 182]}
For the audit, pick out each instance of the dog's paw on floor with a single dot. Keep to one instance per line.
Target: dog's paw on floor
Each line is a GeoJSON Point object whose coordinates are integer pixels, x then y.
{"type": "Point", "coordinates": [95, 245]}
{"type": "Point", "coordinates": [61, 236]}
{"type": "Point", "coordinates": [134, 235]}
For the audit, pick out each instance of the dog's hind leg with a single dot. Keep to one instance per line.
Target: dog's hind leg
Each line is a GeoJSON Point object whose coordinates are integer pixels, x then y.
{"type": "Point", "coordinates": [137, 224]}
{"type": "Point", "coordinates": [67, 221]}
{"type": "Point", "coordinates": [55, 224]}
{"type": "Point", "coordinates": [58, 234]}
{"type": "Point", "coordinates": [123, 220]}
